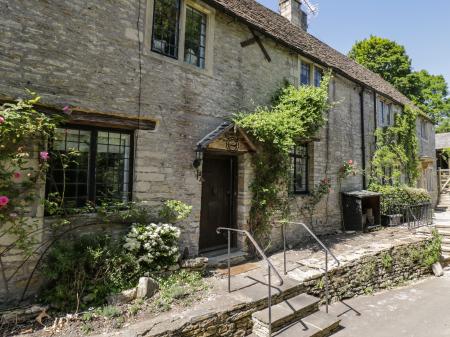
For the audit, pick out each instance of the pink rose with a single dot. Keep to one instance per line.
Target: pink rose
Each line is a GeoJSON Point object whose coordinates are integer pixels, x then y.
{"type": "Point", "coordinates": [2, 119]}
{"type": "Point", "coordinates": [350, 162]}
{"type": "Point", "coordinates": [44, 155]}
{"type": "Point", "coordinates": [4, 200]}
{"type": "Point", "coordinates": [17, 175]}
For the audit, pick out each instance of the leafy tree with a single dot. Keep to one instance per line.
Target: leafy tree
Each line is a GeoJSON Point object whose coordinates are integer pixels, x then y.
{"type": "Point", "coordinates": [382, 56]}
{"type": "Point", "coordinates": [428, 92]}
{"type": "Point", "coordinates": [390, 61]}
{"type": "Point", "coordinates": [444, 126]}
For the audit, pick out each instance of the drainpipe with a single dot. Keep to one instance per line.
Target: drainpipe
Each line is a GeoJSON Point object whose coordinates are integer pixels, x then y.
{"type": "Point", "coordinates": [363, 138]}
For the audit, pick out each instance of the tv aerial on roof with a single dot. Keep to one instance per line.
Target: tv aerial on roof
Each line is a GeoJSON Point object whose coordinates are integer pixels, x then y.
{"type": "Point", "coordinates": [312, 9]}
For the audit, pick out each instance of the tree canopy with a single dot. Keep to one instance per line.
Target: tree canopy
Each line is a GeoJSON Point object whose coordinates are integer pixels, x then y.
{"type": "Point", "coordinates": [390, 60]}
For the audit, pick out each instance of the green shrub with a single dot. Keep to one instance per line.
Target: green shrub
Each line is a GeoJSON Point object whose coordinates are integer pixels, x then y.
{"type": "Point", "coordinates": [174, 211]}
{"type": "Point", "coordinates": [109, 311]}
{"type": "Point", "coordinates": [155, 247]}
{"type": "Point", "coordinates": [432, 252]}
{"type": "Point", "coordinates": [83, 271]}
{"type": "Point", "coordinates": [395, 198]}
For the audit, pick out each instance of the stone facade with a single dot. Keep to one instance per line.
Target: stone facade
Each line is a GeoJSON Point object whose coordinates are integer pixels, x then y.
{"type": "Point", "coordinates": [95, 56]}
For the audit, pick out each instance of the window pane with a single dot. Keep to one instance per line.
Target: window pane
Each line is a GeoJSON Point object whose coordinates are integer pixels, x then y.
{"type": "Point", "coordinates": [112, 166]}
{"type": "Point", "coordinates": [166, 15]}
{"type": "Point", "coordinates": [299, 168]}
{"type": "Point", "coordinates": [195, 37]}
{"type": "Point", "coordinates": [305, 74]}
{"type": "Point", "coordinates": [317, 76]}
{"type": "Point", "coordinates": [68, 175]}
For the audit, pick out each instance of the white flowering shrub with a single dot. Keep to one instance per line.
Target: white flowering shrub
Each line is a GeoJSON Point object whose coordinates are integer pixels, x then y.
{"type": "Point", "coordinates": [154, 246]}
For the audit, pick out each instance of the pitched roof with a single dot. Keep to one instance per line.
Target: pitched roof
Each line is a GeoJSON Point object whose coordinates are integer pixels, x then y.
{"type": "Point", "coordinates": [281, 29]}
{"type": "Point", "coordinates": [442, 141]}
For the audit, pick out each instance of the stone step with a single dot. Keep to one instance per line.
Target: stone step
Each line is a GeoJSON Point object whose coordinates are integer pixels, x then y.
{"type": "Point", "coordinates": [284, 313]}
{"type": "Point", "coordinates": [318, 324]}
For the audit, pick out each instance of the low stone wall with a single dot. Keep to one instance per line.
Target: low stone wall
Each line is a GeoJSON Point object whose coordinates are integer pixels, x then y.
{"type": "Point", "coordinates": [369, 274]}
{"type": "Point", "coordinates": [385, 269]}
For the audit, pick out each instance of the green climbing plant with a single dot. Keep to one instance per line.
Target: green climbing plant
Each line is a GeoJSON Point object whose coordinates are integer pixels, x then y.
{"type": "Point", "coordinates": [397, 151]}
{"type": "Point", "coordinates": [296, 115]}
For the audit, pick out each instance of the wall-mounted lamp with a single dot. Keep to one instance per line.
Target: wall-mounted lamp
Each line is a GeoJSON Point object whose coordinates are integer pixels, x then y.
{"type": "Point", "coordinates": [198, 162]}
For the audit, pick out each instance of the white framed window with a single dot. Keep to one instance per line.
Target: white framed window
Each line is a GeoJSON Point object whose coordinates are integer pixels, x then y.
{"type": "Point", "coordinates": [181, 31]}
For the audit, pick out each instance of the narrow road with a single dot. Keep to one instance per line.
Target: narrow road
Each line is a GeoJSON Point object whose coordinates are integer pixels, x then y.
{"type": "Point", "coordinates": [418, 310]}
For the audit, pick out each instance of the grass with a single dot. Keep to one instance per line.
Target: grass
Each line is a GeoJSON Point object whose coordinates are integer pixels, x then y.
{"type": "Point", "coordinates": [108, 311]}
{"type": "Point", "coordinates": [179, 288]}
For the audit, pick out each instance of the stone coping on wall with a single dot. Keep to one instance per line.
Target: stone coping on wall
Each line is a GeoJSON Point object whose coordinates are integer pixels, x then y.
{"type": "Point", "coordinates": [304, 266]}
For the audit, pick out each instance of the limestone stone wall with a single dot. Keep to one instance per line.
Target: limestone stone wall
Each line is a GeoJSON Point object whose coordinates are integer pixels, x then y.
{"type": "Point", "coordinates": [372, 273]}
{"type": "Point", "coordinates": [86, 54]}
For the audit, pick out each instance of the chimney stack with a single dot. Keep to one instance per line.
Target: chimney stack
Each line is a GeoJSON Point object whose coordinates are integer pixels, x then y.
{"type": "Point", "coordinates": [292, 10]}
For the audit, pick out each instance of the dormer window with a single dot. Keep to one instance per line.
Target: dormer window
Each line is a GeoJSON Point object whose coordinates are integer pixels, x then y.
{"type": "Point", "coordinates": [166, 15]}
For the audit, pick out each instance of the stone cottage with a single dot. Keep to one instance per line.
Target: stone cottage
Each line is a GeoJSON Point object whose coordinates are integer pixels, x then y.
{"type": "Point", "coordinates": [151, 82]}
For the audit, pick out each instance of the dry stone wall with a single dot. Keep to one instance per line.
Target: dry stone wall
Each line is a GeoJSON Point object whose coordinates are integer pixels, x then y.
{"type": "Point", "coordinates": [362, 276]}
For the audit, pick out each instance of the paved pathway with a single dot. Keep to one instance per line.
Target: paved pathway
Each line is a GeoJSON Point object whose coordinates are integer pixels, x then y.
{"type": "Point", "coordinates": [418, 310]}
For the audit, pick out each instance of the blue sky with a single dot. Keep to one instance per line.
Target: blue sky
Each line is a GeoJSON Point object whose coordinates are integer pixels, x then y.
{"type": "Point", "coordinates": [423, 27]}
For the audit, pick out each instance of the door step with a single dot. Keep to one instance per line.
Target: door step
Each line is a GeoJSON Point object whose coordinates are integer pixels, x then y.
{"type": "Point", "coordinates": [219, 259]}
{"type": "Point", "coordinates": [298, 316]}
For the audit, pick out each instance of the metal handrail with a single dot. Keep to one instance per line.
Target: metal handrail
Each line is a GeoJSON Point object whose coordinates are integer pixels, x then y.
{"type": "Point", "coordinates": [269, 266]}
{"type": "Point", "coordinates": [324, 248]}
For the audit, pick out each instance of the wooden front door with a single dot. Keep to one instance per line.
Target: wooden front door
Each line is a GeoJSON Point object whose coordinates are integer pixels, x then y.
{"type": "Point", "coordinates": [218, 200]}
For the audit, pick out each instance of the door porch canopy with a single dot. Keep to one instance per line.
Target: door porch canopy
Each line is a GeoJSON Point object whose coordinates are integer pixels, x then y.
{"type": "Point", "coordinates": [227, 137]}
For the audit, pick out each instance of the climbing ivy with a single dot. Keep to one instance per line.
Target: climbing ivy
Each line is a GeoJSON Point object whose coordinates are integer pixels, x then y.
{"type": "Point", "coordinates": [296, 115]}
{"type": "Point", "coordinates": [397, 151]}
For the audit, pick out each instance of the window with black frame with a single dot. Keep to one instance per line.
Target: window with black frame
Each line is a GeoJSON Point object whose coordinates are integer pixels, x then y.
{"type": "Point", "coordinates": [305, 74]}
{"type": "Point", "coordinates": [299, 169]}
{"type": "Point", "coordinates": [318, 75]}
{"type": "Point", "coordinates": [89, 165]}
{"type": "Point", "coordinates": [166, 16]}
{"type": "Point", "coordinates": [195, 37]}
